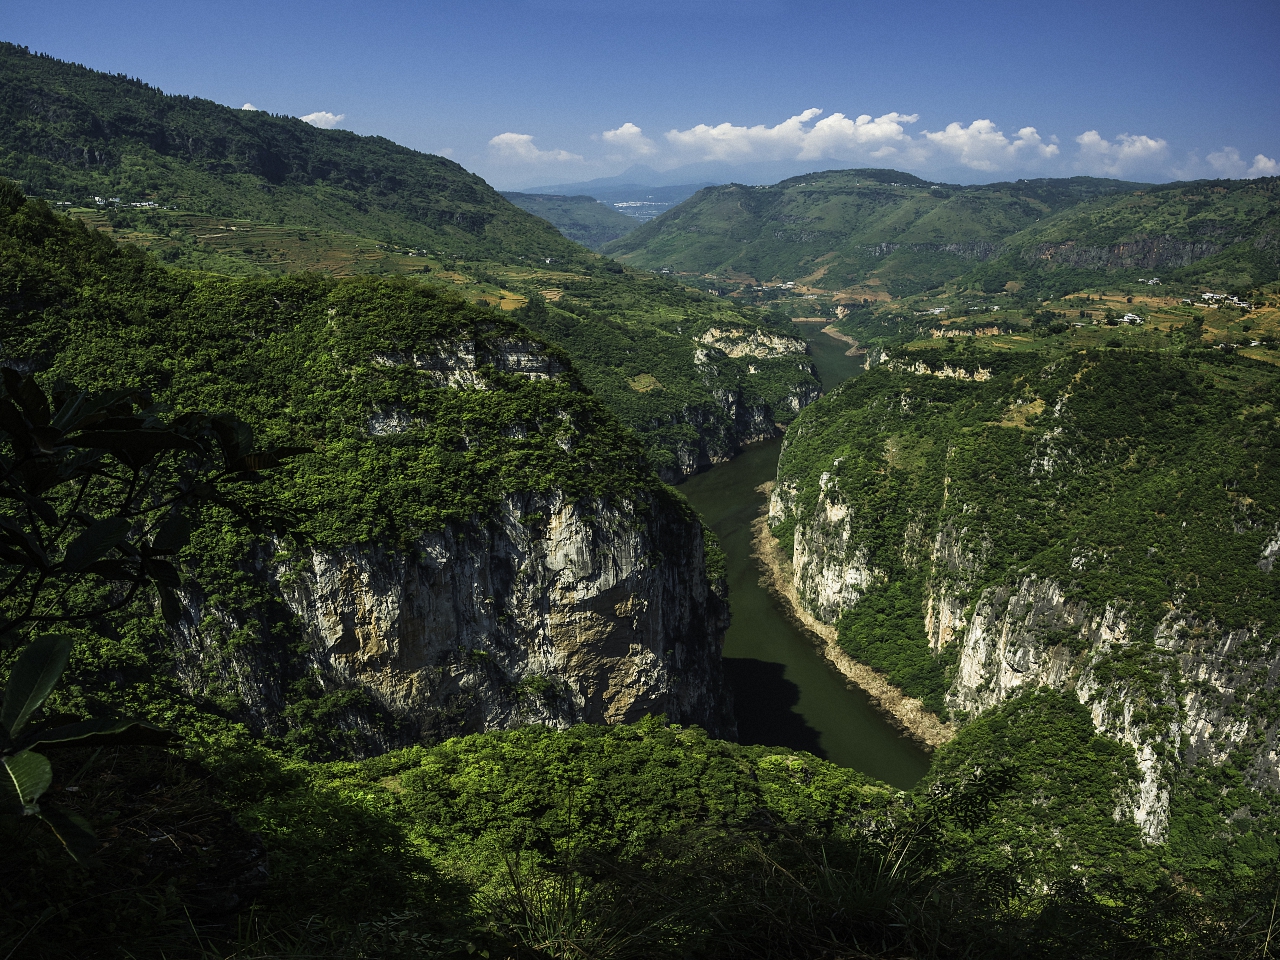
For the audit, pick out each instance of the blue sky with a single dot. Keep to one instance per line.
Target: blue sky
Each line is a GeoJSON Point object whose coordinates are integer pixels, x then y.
{"type": "Point", "coordinates": [529, 92]}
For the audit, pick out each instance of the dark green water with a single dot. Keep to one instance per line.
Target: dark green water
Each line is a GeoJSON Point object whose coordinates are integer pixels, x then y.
{"type": "Point", "coordinates": [785, 693]}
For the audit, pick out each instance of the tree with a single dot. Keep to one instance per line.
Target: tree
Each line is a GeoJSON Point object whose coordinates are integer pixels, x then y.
{"type": "Point", "coordinates": [98, 494]}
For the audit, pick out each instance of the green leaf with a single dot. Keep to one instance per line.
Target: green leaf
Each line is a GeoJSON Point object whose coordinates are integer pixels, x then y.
{"type": "Point", "coordinates": [234, 436]}
{"type": "Point", "coordinates": [266, 459]}
{"type": "Point", "coordinates": [34, 673]}
{"type": "Point", "coordinates": [73, 830]}
{"type": "Point", "coordinates": [99, 733]}
{"type": "Point", "coordinates": [30, 776]}
{"type": "Point", "coordinates": [163, 572]}
{"type": "Point", "coordinates": [13, 423]}
{"type": "Point", "coordinates": [145, 443]}
{"type": "Point", "coordinates": [170, 605]}
{"type": "Point", "coordinates": [11, 532]}
{"type": "Point", "coordinates": [94, 542]}
{"type": "Point", "coordinates": [113, 569]}
{"type": "Point", "coordinates": [29, 396]}
{"type": "Point", "coordinates": [173, 535]}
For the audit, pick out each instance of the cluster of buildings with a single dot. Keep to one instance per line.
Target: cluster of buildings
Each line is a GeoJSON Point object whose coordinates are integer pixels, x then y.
{"type": "Point", "coordinates": [1224, 299]}
{"type": "Point", "coordinates": [103, 201]}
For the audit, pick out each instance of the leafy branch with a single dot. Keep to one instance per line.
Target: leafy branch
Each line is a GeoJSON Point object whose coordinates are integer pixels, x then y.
{"type": "Point", "coordinates": [102, 489]}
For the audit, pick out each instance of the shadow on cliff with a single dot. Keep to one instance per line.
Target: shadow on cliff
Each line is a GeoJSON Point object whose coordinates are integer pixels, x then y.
{"type": "Point", "coordinates": [765, 700]}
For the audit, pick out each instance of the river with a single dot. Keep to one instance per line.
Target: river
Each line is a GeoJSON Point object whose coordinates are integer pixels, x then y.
{"type": "Point", "coordinates": [785, 693]}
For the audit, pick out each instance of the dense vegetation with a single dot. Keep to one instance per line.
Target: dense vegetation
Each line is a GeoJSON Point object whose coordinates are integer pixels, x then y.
{"type": "Point", "coordinates": [1140, 483]}
{"type": "Point", "coordinates": [1131, 478]}
{"type": "Point", "coordinates": [864, 240]}
{"type": "Point", "coordinates": [355, 372]}
{"type": "Point", "coordinates": [1220, 233]}
{"type": "Point", "coordinates": [67, 133]}
{"type": "Point", "coordinates": [874, 230]}
{"type": "Point", "coordinates": [314, 361]}
{"type": "Point", "coordinates": [583, 220]}
{"type": "Point", "coordinates": [247, 193]}
{"type": "Point", "coordinates": [633, 841]}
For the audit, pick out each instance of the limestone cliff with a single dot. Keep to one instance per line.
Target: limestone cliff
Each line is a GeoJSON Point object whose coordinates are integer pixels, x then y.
{"type": "Point", "coordinates": [1102, 598]}
{"type": "Point", "coordinates": [738, 365]}
{"type": "Point", "coordinates": [526, 564]}
{"type": "Point", "coordinates": [549, 611]}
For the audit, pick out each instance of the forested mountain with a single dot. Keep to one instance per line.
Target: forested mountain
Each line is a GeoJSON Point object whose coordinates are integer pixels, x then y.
{"type": "Point", "coordinates": [873, 232]}
{"type": "Point", "coordinates": [441, 437]}
{"type": "Point", "coordinates": [1069, 553]}
{"type": "Point", "coordinates": [72, 134]}
{"type": "Point", "coordinates": [583, 220]}
{"type": "Point", "coordinates": [246, 193]}
{"type": "Point", "coordinates": [1222, 233]}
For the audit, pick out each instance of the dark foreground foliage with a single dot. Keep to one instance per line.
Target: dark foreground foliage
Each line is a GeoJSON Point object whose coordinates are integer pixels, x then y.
{"type": "Point", "coordinates": [519, 845]}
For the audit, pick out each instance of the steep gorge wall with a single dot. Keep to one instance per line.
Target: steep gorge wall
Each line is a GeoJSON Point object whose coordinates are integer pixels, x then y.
{"type": "Point", "coordinates": [1177, 694]}
{"type": "Point", "coordinates": [745, 409]}
{"type": "Point", "coordinates": [1177, 687]}
{"type": "Point", "coordinates": [545, 608]}
{"type": "Point", "coordinates": [549, 612]}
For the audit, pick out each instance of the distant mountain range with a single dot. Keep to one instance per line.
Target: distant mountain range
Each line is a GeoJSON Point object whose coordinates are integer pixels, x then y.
{"type": "Point", "coordinates": [880, 234]}
{"type": "Point", "coordinates": [632, 197]}
{"type": "Point", "coordinates": [889, 232]}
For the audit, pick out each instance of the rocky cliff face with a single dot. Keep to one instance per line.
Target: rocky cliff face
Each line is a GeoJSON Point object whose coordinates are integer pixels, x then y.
{"type": "Point", "coordinates": [831, 570]}
{"type": "Point", "coordinates": [547, 609]}
{"type": "Point", "coordinates": [1190, 696]}
{"type": "Point", "coordinates": [742, 414]}
{"type": "Point", "coordinates": [550, 612]}
{"type": "Point", "coordinates": [1177, 687]}
{"type": "Point", "coordinates": [1146, 253]}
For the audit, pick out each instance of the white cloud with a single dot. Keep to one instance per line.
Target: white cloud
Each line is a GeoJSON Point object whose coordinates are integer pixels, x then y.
{"type": "Point", "coordinates": [518, 147]}
{"type": "Point", "coordinates": [810, 136]}
{"type": "Point", "coordinates": [1264, 167]}
{"type": "Point", "coordinates": [794, 138]}
{"type": "Point", "coordinates": [630, 139]}
{"type": "Point", "coordinates": [323, 119]}
{"type": "Point", "coordinates": [838, 136]}
{"type": "Point", "coordinates": [1227, 162]}
{"type": "Point", "coordinates": [248, 106]}
{"type": "Point", "coordinates": [981, 146]}
{"type": "Point", "coordinates": [1129, 151]}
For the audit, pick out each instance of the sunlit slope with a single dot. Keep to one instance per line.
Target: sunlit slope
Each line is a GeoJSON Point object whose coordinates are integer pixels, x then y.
{"type": "Point", "coordinates": [1218, 232]}
{"type": "Point", "coordinates": [239, 192]}
{"type": "Point", "coordinates": [68, 133]}
{"type": "Point", "coordinates": [876, 230]}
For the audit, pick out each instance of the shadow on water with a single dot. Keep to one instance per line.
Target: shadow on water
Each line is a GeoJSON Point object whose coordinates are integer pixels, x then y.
{"type": "Point", "coordinates": [767, 702]}
{"type": "Point", "coordinates": [785, 692]}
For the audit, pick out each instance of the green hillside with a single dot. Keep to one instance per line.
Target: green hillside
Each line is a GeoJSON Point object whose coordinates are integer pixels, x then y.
{"type": "Point", "coordinates": [646, 840]}
{"type": "Point", "coordinates": [1027, 496]}
{"type": "Point", "coordinates": [71, 134]}
{"type": "Point", "coordinates": [293, 356]}
{"type": "Point", "coordinates": [583, 220]}
{"type": "Point", "coordinates": [246, 193]}
{"type": "Point", "coordinates": [862, 233]}
{"type": "Point", "coordinates": [1221, 233]}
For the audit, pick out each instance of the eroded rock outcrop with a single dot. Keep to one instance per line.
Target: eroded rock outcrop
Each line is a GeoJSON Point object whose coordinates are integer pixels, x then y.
{"type": "Point", "coordinates": [1179, 688]}
{"type": "Point", "coordinates": [742, 414]}
{"type": "Point", "coordinates": [550, 612]}
{"type": "Point", "coordinates": [541, 607]}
